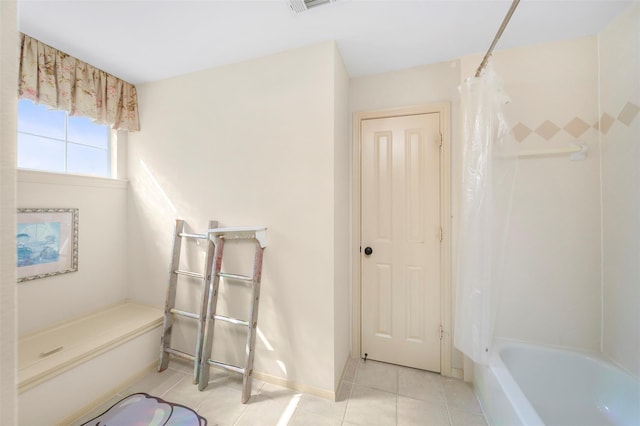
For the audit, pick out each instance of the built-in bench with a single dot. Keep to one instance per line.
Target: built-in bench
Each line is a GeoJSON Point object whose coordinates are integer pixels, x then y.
{"type": "Point", "coordinates": [76, 355]}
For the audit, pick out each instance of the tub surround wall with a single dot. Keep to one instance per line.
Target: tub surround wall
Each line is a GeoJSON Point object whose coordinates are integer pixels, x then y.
{"type": "Point", "coordinates": [619, 50]}
{"type": "Point", "coordinates": [552, 290]}
{"type": "Point", "coordinates": [254, 143]}
{"type": "Point", "coordinates": [101, 277]}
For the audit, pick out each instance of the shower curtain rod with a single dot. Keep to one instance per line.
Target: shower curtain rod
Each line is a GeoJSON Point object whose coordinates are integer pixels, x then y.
{"type": "Point", "coordinates": [505, 21]}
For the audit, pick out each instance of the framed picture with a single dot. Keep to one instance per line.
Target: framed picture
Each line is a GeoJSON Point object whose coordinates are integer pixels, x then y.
{"type": "Point", "coordinates": [47, 242]}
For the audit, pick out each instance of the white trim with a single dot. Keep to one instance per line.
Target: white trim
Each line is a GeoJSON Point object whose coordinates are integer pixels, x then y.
{"type": "Point", "coordinates": [444, 109]}
{"type": "Point", "coordinates": [457, 373]}
{"type": "Point", "coordinates": [279, 381]}
{"type": "Point", "coordinates": [36, 176]}
{"type": "Point", "coordinates": [341, 381]}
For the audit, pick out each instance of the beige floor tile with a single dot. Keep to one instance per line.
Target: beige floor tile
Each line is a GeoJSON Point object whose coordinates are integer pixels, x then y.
{"type": "Point", "coordinates": [155, 384]}
{"type": "Point", "coordinates": [307, 418]}
{"type": "Point", "coordinates": [413, 412]}
{"type": "Point", "coordinates": [325, 407]}
{"type": "Point", "coordinates": [368, 406]}
{"type": "Point", "coordinates": [186, 393]}
{"type": "Point", "coordinates": [419, 384]}
{"type": "Point", "coordinates": [377, 375]}
{"type": "Point", "coordinates": [181, 365]}
{"type": "Point", "coordinates": [270, 408]}
{"type": "Point", "coordinates": [271, 391]}
{"type": "Point", "coordinates": [466, 418]}
{"type": "Point", "coordinates": [221, 406]}
{"type": "Point", "coordinates": [95, 413]}
{"type": "Point", "coordinates": [459, 395]}
{"type": "Point", "coordinates": [344, 391]}
{"type": "Point", "coordinates": [380, 394]}
{"type": "Point", "coordinates": [233, 381]}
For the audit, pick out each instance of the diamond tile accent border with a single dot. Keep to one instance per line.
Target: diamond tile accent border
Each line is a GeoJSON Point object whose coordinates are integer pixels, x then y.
{"type": "Point", "coordinates": [606, 121]}
{"type": "Point", "coordinates": [521, 132]}
{"type": "Point", "coordinates": [628, 113]}
{"type": "Point", "coordinates": [576, 127]}
{"type": "Point", "coordinates": [547, 130]}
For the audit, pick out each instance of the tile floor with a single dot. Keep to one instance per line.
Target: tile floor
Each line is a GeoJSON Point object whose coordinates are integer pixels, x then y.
{"type": "Point", "coordinates": [373, 393]}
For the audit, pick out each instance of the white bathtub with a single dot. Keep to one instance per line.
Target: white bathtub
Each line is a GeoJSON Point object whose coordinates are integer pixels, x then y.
{"type": "Point", "coordinates": [534, 385]}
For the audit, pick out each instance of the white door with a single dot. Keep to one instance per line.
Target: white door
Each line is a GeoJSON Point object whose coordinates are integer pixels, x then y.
{"type": "Point", "coordinates": [400, 247]}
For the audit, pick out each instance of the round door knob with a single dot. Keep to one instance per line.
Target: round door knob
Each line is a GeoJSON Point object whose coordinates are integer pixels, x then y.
{"type": "Point", "coordinates": [368, 251]}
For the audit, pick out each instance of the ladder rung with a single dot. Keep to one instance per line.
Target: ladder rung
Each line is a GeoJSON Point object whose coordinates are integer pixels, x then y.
{"type": "Point", "coordinates": [180, 354]}
{"type": "Point", "coordinates": [231, 320]}
{"type": "Point", "coordinates": [226, 366]}
{"type": "Point", "coordinates": [198, 236]}
{"type": "Point", "coordinates": [235, 277]}
{"type": "Point", "coordinates": [184, 313]}
{"type": "Point", "coordinates": [188, 274]}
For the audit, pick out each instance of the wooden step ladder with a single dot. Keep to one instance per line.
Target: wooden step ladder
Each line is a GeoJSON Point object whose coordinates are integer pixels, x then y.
{"type": "Point", "coordinates": [218, 236]}
{"type": "Point", "coordinates": [170, 310]}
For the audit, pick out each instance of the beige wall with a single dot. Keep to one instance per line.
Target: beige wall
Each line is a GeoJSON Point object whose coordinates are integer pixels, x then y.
{"type": "Point", "coordinates": [254, 143]}
{"type": "Point", "coordinates": [552, 290]}
{"type": "Point", "coordinates": [8, 109]}
{"type": "Point", "coordinates": [342, 230]}
{"type": "Point", "coordinates": [553, 263]}
{"type": "Point", "coordinates": [619, 48]}
{"type": "Point", "coordinates": [415, 86]}
{"type": "Point", "coordinates": [101, 277]}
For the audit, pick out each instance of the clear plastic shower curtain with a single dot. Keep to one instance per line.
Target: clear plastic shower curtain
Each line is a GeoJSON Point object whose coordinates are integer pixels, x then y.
{"type": "Point", "coordinates": [488, 173]}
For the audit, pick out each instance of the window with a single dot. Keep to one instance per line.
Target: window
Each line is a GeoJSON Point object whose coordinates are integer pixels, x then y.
{"type": "Point", "coordinates": [51, 140]}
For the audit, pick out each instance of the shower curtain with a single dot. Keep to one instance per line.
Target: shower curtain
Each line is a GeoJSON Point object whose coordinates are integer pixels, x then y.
{"type": "Point", "coordinates": [489, 166]}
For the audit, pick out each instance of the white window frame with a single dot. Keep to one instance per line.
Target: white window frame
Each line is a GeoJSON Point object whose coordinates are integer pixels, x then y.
{"type": "Point", "coordinates": [111, 150]}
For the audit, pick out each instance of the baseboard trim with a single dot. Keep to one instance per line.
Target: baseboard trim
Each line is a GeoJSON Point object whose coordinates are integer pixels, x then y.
{"type": "Point", "coordinates": [344, 371]}
{"type": "Point", "coordinates": [311, 390]}
{"type": "Point", "coordinates": [457, 373]}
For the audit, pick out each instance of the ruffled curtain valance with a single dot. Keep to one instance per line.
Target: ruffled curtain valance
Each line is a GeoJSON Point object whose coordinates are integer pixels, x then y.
{"type": "Point", "coordinates": [53, 78]}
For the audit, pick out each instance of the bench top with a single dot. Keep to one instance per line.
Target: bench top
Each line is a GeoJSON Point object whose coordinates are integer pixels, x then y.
{"type": "Point", "coordinates": [46, 353]}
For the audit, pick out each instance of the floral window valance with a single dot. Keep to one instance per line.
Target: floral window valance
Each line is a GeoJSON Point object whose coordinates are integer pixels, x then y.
{"type": "Point", "coordinates": [53, 78]}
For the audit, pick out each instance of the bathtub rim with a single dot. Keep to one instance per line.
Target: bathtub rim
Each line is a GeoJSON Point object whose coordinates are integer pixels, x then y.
{"type": "Point", "coordinates": [526, 412]}
{"type": "Point", "coordinates": [512, 391]}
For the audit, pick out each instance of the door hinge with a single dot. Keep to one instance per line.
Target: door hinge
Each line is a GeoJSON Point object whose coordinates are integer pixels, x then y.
{"type": "Point", "coordinates": [441, 331]}
{"type": "Point", "coordinates": [441, 234]}
{"type": "Point", "coordinates": [440, 139]}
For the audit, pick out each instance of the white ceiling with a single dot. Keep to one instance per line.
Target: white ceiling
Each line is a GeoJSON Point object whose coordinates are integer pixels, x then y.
{"type": "Point", "coordinates": [144, 40]}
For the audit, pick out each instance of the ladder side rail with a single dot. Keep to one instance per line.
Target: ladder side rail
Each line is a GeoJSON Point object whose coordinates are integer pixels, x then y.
{"type": "Point", "coordinates": [253, 324]}
{"type": "Point", "coordinates": [204, 300]}
{"type": "Point", "coordinates": [170, 300]}
{"type": "Point", "coordinates": [212, 302]}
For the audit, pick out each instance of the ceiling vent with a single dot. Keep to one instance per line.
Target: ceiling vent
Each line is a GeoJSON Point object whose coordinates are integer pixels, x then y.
{"type": "Point", "coordinates": [299, 6]}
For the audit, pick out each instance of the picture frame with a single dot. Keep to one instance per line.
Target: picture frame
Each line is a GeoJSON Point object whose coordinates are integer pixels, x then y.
{"type": "Point", "coordinates": [46, 242]}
